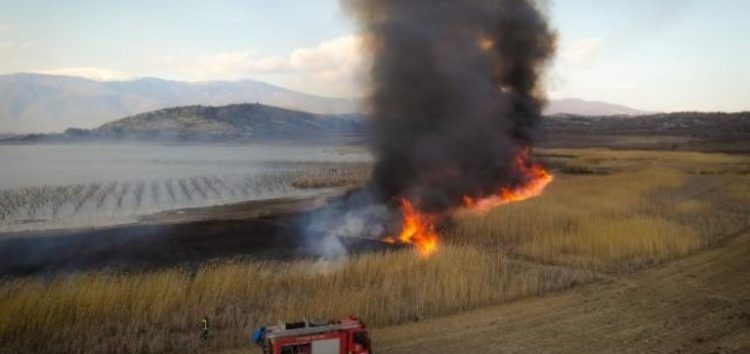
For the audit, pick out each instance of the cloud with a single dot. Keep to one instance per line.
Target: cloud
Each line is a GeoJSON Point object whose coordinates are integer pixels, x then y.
{"type": "Point", "coordinates": [335, 53]}
{"type": "Point", "coordinates": [226, 65]}
{"type": "Point", "coordinates": [627, 87]}
{"type": "Point", "coordinates": [331, 67]}
{"type": "Point", "coordinates": [581, 52]}
{"type": "Point", "coordinates": [336, 66]}
{"type": "Point", "coordinates": [7, 45]}
{"type": "Point", "coordinates": [92, 73]}
{"type": "Point", "coordinates": [5, 28]}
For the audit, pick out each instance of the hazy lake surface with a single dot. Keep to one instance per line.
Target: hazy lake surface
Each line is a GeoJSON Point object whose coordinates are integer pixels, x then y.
{"type": "Point", "coordinates": [43, 186]}
{"type": "Point", "coordinates": [38, 165]}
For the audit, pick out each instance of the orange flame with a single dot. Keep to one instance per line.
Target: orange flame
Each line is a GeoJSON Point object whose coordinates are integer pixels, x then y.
{"type": "Point", "coordinates": [418, 230]}
{"type": "Point", "coordinates": [536, 180]}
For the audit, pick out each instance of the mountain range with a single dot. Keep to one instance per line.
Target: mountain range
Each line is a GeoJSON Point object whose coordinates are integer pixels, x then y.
{"type": "Point", "coordinates": [50, 103]}
{"type": "Point", "coordinates": [574, 106]}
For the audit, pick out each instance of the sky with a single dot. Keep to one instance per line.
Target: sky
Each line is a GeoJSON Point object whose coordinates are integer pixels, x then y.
{"type": "Point", "coordinates": [666, 55]}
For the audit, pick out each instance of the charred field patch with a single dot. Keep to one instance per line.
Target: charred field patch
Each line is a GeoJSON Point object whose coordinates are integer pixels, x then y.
{"type": "Point", "coordinates": [262, 230]}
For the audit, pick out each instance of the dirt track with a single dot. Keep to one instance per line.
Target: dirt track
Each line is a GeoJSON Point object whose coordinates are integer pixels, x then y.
{"type": "Point", "coordinates": [700, 304]}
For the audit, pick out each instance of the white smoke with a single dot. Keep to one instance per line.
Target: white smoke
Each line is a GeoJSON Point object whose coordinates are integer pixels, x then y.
{"type": "Point", "coordinates": [356, 216]}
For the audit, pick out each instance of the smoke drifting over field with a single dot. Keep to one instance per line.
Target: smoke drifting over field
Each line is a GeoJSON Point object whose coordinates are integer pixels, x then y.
{"type": "Point", "coordinates": [454, 96]}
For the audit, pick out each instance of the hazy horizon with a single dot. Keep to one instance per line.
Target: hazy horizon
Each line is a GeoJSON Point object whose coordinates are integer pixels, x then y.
{"type": "Point", "coordinates": [45, 103]}
{"type": "Point", "coordinates": [668, 56]}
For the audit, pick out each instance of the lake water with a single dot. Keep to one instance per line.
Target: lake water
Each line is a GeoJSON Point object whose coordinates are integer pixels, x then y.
{"type": "Point", "coordinates": [43, 186]}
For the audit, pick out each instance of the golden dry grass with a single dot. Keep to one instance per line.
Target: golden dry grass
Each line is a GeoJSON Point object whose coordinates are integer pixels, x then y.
{"type": "Point", "coordinates": [591, 222]}
{"type": "Point", "coordinates": [159, 312]}
{"type": "Point", "coordinates": [654, 208]}
{"type": "Point", "coordinates": [349, 174]}
{"type": "Point", "coordinates": [650, 207]}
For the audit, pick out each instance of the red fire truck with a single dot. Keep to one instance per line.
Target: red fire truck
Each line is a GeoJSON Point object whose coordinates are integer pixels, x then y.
{"type": "Point", "coordinates": [346, 336]}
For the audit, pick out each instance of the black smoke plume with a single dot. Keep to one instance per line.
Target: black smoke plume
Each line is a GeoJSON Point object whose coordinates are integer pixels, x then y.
{"type": "Point", "coordinates": [455, 94]}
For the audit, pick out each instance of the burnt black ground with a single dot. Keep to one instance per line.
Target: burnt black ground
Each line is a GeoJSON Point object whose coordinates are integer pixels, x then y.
{"type": "Point", "coordinates": [242, 233]}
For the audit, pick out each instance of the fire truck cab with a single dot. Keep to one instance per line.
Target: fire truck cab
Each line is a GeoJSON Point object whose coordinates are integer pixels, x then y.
{"type": "Point", "coordinates": [345, 336]}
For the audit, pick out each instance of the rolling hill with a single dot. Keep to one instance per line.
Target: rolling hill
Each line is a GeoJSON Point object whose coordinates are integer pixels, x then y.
{"type": "Point", "coordinates": [589, 108]}
{"type": "Point", "coordinates": [39, 103]}
{"type": "Point", "coordinates": [48, 103]}
{"type": "Point", "coordinates": [226, 123]}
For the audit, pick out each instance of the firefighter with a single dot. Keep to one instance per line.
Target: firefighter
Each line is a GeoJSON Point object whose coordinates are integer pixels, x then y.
{"type": "Point", "coordinates": [258, 335]}
{"type": "Point", "coordinates": [204, 328]}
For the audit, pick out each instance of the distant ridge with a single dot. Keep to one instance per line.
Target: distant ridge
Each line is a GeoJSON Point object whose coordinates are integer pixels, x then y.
{"type": "Point", "coordinates": [257, 122]}
{"type": "Point", "coordinates": [41, 103]}
{"type": "Point", "coordinates": [226, 123]}
{"type": "Point", "coordinates": [49, 103]}
{"type": "Point", "coordinates": [590, 108]}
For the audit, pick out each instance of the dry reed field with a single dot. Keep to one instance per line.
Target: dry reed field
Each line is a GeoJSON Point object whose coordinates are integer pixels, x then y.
{"type": "Point", "coordinates": [159, 312]}
{"type": "Point", "coordinates": [607, 212]}
{"type": "Point", "coordinates": [627, 210]}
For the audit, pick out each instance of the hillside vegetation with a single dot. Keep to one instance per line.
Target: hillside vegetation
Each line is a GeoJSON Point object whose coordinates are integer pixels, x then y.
{"type": "Point", "coordinates": [693, 131]}
{"type": "Point", "coordinates": [227, 123]}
